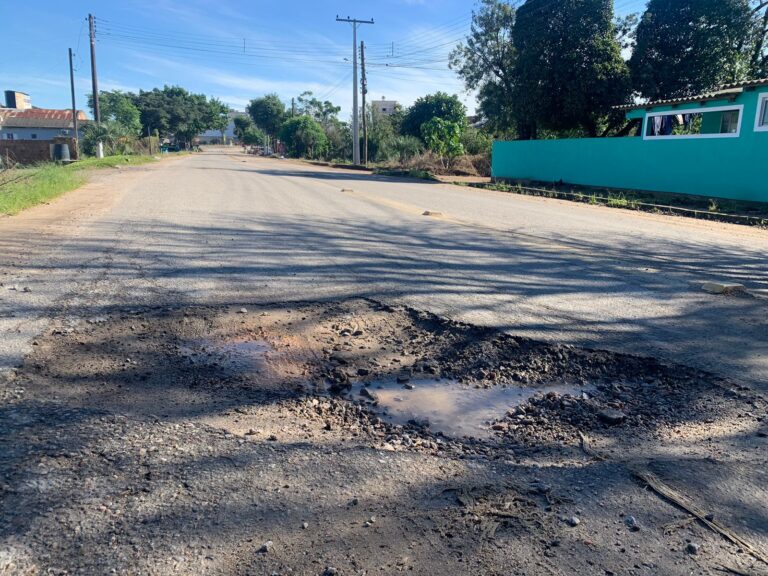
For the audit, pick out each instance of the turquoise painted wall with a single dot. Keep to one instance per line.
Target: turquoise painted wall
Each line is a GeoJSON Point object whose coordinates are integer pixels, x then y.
{"type": "Point", "coordinates": [735, 168]}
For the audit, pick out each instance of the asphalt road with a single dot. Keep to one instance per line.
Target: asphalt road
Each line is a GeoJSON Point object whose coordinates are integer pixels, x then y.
{"type": "Point", "coordinates": [225, 228]}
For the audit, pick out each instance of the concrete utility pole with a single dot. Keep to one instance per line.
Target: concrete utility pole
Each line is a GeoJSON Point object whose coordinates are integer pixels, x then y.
{"type": "Point", "coordinates": [95, 83]}
{"type": "Point", "coordinates": [355, 110]}
{"type": "Point", "coordinates": [74, 105]}
{"type": "Point", "coordinates": [365, 112]}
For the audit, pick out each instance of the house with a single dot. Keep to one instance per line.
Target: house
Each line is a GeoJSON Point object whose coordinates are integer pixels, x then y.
{"type": "Point", "coordinates": [38, 123]}
{"type": "Point", "coordinates": [713, 144]}
{"type": "Point", "coordinates": [29, 135]}
{"type": "Point", "coordinates": [216, 137]}
{"type": "Point", "coordinates": [384, 107]}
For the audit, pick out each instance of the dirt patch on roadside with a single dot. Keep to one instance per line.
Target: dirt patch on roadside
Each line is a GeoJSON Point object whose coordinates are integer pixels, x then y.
{"type": "Point", "coordinates": [349, 438]}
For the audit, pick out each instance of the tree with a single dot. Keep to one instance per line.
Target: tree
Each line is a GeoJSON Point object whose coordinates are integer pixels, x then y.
{"type": "Point", "coordinates": [219, 116]}
{"type": "Point", "coordinates": [242, 124]}
{"type": "Point", "coordinates": [476, 141]}
{"type": "Point", "coordinates": [439, 105]}
{"type": "Point", "coordinates": [324, 112]}
{"type": "Point", "coordinates": [253, 136]}
{"type": "Point", "coordinates": [758, 56]}
{"type": "Point", "coordinates": [486, 60]}
{"type": "Point", "coordinates": [304, 137]}
{"type": "Point", "coordinates": [689, 46]}
{"type": "Point", "coordinates": [117, 106]}
{"type": "Point", "coordinates": [569, 70]}
{"type": "Point", "coordinates": [268, 113]}
{"type": "Point", "coordinates": [175, 112]}
{"type": "Point", "coordinates": [443, 137]}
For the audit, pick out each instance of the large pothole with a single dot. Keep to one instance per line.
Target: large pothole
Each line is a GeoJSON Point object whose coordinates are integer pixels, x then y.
{"type": "Point", "coordinates": [360, 366]}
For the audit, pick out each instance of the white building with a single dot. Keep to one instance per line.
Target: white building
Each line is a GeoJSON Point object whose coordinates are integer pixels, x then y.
{"type": "Point", "coordinates": [384, 107]}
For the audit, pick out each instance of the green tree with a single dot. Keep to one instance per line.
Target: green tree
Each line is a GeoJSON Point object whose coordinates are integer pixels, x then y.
{"type": "Point", "coordinates": [569, 70]}
{"type": "Point", "coordinates": [438, 105]}
{"type": "Point", "coordinates": [219, 116]}
{"type": "Point", "coordinates": [443, 137]}
{"type": "Point", "coordinates": [117, 106]}
{"type": "Point", "coordinates": [115, 136]}
{"type": "Point", "coordinates": [486, 62]}
{"type": "Point", "coordinates": [268, 113]}
{"type": "Point", "coordinates": [476, 141]}
{"type": "Point", "coordinates": [304, 137]}
{"type": "Point", "coordinates": [322, 111]}
{"type": "Point", "coordinates": [242, 124]}
{"type": "Point", "coordinates": [253, 136]}
{"type": "Point", "coordinates": [339, 137]}
{"type": "Point", "coordinates": [174, 111]}
{"type": "Point", "coordinates": [689, 46]}
{"type": "Point", "coordinates": [758, 53]}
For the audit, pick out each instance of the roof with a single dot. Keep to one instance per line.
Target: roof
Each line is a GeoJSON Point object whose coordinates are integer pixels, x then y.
{"type": "Point", "coordinates": [724, 91]}
{"type": "Point", "coordinates": [38, 118]}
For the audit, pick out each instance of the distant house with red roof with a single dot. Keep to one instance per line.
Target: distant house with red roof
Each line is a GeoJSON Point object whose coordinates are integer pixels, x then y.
{"type": "Point", "coordinates": [20, 121]}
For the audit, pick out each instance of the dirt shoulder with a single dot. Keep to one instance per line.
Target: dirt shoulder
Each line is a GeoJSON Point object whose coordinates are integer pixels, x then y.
{"type": "Point", "coordinates": [319, 439]}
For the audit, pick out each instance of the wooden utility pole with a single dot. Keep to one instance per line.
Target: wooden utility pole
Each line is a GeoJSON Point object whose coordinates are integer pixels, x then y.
{"type": "Point", "coordinates": [74, 105]}
{"type": "Point", "coordinates": [365, 111]}
{"type": "Point", "coordinates": [95, 82]}
{"type": "Point", "coordinates": [94, 77]}
{"type": "Point", "coordinates": [355, 110]}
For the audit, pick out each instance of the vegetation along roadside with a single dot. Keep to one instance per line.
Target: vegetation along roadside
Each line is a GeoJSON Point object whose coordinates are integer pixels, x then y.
{"type": "Point", "coordinates": [23, 188]}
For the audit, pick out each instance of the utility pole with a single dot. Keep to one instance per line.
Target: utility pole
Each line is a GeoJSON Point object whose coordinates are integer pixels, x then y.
{"type": "Point", "coordinates": [74, 105]}
{"type": "Point", "coordinates": [355, 110]}
{"type": "Point", "coordinates": [365, 111]}
{"type": "Point", "coordinates": [94, 78]}
{"type": "Point", "coordinates": [95, 82]}
{"type": "Point", "coordinates": [293, 107]}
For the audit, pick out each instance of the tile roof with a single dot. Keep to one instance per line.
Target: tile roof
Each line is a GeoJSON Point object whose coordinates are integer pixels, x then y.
{"type": "Point", "coordinates": [40, 113]}
{"type": "Point", "coordinates": [721, 92]}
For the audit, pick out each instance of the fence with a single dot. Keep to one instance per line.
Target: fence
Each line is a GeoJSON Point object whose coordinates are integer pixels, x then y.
{"type": "Point", "coordinates": [733, 168]}
{"type": "Point", "coordinates": [33, 151]}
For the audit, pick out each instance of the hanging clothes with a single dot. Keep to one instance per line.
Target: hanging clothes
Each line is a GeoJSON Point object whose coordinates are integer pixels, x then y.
{"type": "Point", "coordinates": [657, 122]}
{"type": "Point", "coordinates": [666, 126]}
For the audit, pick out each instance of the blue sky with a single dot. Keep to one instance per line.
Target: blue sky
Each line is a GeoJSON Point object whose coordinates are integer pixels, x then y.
{"type": "Point", "coordinates": [235, 50]}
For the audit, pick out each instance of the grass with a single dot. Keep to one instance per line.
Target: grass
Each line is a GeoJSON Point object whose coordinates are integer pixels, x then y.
{"type": "Point", "coordinates": [737, 211]}
{"type": "Point", "coordinates": [412, 173]}
{"type": "Point", "coordinates": [26, 187]}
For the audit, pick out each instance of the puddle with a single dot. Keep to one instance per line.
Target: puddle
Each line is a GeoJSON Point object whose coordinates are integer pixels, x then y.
{"type": "Point", "coordinates": [450, 407]}
{"type": "Point", "coordinates": [239, 356]}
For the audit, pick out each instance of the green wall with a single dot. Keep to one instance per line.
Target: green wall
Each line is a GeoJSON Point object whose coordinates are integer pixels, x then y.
{"type": "Point", "coordinates": [735, 168]}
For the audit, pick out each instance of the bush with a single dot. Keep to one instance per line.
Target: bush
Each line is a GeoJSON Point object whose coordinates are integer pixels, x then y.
{"type": "Point", "coordinates": [116, 139]}
{"type": "Point", "coordinates": [476, 141]}
{"type": "Point", "coordinates": [443, 137]}
{"type": "Point", "coordinates": [304, 137]}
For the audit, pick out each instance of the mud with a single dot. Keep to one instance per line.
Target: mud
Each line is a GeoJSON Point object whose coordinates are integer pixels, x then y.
{"type": "Point", "coordinates": [360, 438]}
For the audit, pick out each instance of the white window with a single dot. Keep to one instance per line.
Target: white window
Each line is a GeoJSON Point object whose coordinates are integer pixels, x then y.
{"type": "Point", "coordinates": [715, 122]}
{"type": "Point", "coordinates": [761, 122]}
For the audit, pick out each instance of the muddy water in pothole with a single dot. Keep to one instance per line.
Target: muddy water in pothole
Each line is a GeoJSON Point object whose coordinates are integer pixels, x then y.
{"type": "Point", "coordinates": [238, 355]}
{"type": "Point", "coordinates": [451, 407]}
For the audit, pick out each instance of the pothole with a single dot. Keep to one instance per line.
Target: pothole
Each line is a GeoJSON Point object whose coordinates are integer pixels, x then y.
{"type": "Point", "coordinates": [448, 406]}
{"type": "Point", "coordinates": [220, 364]}
{"type": "Point", "coordinates": [241, 356]}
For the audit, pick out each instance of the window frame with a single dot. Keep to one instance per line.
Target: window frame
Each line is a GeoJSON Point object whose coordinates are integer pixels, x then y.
{"type": "Point", "coordinates": [762, 104]}
{"type": "Point", "coordinates": [702, 110]}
